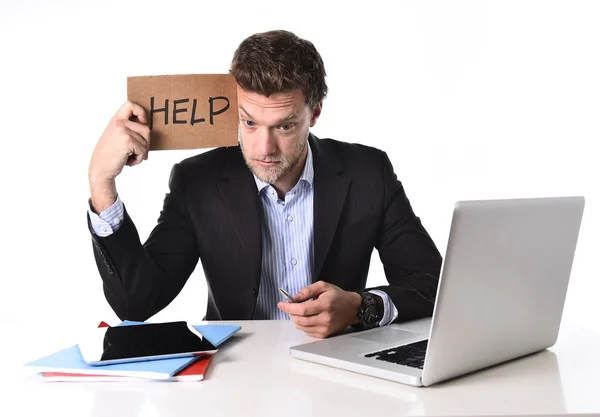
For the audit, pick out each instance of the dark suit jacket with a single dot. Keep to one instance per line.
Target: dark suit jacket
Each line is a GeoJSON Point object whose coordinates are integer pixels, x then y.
{"type": "Point", "coordinates": [212, 213]}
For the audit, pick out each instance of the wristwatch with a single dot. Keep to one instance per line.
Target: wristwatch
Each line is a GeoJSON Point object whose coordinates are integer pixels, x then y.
{"type": "Point", "coordinates": [371, 310]}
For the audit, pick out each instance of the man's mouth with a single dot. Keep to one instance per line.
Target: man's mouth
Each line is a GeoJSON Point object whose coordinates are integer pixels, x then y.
{"type": "Point", "coordinates": [266, 163]}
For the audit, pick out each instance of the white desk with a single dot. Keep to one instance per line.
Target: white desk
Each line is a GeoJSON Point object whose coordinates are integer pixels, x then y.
{"type": "Point", "coordinates": [253, 375]}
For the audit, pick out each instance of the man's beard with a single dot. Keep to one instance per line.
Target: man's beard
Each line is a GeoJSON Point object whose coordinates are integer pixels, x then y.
{"type": "Point", "coordinates": [284, 166]}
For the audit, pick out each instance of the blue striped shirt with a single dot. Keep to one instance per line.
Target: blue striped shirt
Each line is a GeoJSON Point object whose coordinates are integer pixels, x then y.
{"type": "Point", "coordinates": [287, 243]}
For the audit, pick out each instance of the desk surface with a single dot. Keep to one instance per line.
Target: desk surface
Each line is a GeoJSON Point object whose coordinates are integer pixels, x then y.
{"type": "Point", "coordinates": [253, 375]}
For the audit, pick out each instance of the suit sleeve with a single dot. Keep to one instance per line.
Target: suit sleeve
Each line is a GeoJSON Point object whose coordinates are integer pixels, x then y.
{"type": "Point", "coordinates": [139, 280]}
{"type": "Point", "coordinates": [410, 258]}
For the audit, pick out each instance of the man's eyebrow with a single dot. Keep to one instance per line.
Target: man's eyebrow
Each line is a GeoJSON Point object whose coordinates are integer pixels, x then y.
{"type": "Point", "coordinates": [285, 119]}
{"type": "Point", "coordinates": [244, 110]}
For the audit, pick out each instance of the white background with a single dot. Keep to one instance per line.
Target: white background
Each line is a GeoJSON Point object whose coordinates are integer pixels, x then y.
{"type": "Point", "coordinates": [470, 100]}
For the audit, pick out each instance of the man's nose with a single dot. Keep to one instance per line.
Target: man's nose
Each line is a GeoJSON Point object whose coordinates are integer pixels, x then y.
{"type": "Point", "coordinates": [266, 144]}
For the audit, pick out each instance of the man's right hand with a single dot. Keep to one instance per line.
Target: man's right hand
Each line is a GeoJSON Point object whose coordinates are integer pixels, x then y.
{"type": "Point", "coordinates": [124, 142]}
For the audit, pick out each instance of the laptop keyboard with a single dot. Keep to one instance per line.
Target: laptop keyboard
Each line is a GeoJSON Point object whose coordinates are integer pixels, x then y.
{"type": "Point", "coordinates": [412, 355]}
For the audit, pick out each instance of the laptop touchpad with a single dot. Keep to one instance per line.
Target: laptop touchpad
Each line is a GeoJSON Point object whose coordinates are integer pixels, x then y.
{"type": "Point", "coordinates": [388, 335]}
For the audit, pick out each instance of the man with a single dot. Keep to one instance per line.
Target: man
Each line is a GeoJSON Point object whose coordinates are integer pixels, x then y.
{"type": "Point", "coordinates": [284, 209]}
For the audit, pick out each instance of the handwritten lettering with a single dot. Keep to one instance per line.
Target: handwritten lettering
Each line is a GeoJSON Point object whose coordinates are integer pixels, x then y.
{"type": "Point", "coordinates": [217, 105]}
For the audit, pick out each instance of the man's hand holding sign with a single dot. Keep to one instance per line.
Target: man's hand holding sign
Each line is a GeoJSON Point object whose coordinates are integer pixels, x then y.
{"type": "Point", "coordinates": [161, 113]}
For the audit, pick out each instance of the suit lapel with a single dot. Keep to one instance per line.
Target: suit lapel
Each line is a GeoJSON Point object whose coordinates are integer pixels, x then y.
{"type": "Point", "coordinates": [331, 189]}
{"type": "Point", "coordinates": [238, 190]}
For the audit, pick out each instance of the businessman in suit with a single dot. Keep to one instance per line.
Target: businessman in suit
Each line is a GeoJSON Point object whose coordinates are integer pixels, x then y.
{"type": "Point", "coordinates": [282, 209]}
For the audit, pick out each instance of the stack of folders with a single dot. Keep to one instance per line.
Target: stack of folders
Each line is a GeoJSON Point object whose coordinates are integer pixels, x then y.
{"type": "Point", "coordinates": [68, 364]}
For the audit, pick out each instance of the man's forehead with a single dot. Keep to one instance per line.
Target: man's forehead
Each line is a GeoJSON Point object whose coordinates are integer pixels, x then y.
{"type": "Point", "coordinates": [287, 99]}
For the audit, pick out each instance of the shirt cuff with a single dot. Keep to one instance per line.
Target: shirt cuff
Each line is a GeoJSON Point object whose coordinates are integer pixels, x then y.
{"type": "Point", "coordinates": [109, 221]}
{"type": "Point", "coordinates": [390, 312]}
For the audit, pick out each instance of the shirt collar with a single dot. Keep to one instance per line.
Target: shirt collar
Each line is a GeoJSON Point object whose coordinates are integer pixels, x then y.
{"type": "Point", "coordinates": [307, 175]}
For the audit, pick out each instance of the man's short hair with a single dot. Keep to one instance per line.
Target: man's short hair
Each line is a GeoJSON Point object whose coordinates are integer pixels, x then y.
{"type": "Point", "coordinates": [279, 61]}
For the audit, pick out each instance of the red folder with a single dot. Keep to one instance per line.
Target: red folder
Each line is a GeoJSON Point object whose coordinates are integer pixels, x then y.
{"type": "Point", "coordinates": [194, 372]}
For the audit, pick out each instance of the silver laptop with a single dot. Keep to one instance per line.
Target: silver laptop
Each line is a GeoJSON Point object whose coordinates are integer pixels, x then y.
{"type": "Point", "coordinates": [500, 297]}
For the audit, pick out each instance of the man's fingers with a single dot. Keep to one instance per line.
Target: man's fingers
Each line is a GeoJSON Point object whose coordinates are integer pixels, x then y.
{"type": "Point", "coordinates": [311, 291]}
{"type": "Point", "coordinates": [137, 148]}
{"type": "Point", "coordinates": [308, 308]}
{"type": "Point", "coordinates": [322, 319]}
{"type": "Point", "coordinates": [308, 327]}
{"type": "Point", "coordinates": [142, 130]}
{"type": "Point", "coordinates": [138, 138]}
{"type": "Point", "coordinates": [314, 326]}
{"type": "Point", "coordinates": [137, 131]}
{"type": "Point", "coordinates": [305, 323]}
{"type": "Point", "coordinates": [131, 109]}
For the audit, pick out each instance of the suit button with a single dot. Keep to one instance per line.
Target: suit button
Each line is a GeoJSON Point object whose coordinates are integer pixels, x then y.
{"type": "Point", "coordinates": [254, 292]}
{"type": "Point", "coordinates": [110, 271]}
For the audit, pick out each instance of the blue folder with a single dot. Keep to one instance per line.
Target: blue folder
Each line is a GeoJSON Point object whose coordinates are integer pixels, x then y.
{"type": "Point", "coordinates": [70, 360]}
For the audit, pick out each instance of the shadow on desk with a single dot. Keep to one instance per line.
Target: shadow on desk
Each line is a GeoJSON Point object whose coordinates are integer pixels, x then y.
{"type": "Point", "coordinates": [533, 383]}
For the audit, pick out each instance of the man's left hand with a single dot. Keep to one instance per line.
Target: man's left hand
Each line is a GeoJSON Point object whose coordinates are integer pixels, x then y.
{"type": "Point", "coordinates": [330, 310]}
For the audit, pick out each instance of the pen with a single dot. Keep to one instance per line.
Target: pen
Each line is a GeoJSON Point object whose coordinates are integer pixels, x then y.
{"type": "Point", "coordinates": [289, 298]}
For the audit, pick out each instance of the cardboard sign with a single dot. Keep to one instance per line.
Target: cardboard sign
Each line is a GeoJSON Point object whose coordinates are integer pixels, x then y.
{"type": "Point", "coordinates": [188, 111]}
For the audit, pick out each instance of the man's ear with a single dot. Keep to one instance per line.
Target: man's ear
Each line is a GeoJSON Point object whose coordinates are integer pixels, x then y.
{"type": "Point", "coordinates": [316, 113]}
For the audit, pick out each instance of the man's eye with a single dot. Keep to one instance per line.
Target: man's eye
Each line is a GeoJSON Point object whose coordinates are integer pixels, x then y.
{"type": "Point", "coordinates": [249, 123]}
{"type": "Point", "coordinates": [286, 127]}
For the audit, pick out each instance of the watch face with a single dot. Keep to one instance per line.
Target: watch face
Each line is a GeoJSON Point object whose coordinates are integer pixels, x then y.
{"type": "Point", "coordinates": [370, 314]}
